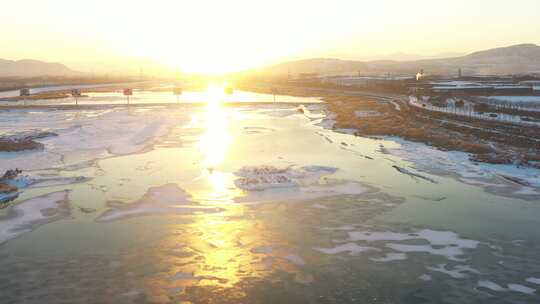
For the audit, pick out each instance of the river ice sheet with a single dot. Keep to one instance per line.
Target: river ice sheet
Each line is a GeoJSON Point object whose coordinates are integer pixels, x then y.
{"type": "Point", "coordinates": [276, 203]}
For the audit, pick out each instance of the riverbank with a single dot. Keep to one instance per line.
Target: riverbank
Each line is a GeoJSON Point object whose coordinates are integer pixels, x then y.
{"type": "Point", "coordinates": [368, 114]}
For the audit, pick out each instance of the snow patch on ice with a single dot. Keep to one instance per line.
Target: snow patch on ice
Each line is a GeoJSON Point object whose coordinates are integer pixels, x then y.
{"type": "Point", "coordinates": [443, 243]}
{"type": "Point", "coordinates": [392, 256]}
{"type": "Point", "coordinates": [28, 215]}
{"type": "Point", "coordinates": [425, 277]}
{"type": "Point", "coordinates": [269, 183]}
{"type": "Point", "coordinates": [166, 199]}
{"type": "Point", "coordinates": [491, 285]}
{"type": "Point", "coordinates": [351, 248]}
{"type": "Point", "coordinates": [521, 288]}
{"type": "Point", "coordinates": [458, 272]}
{"type": "Point", "coordinates": [510, 287]}
{"type": "Point", "coordinates": [533, 280]}
{"type": "Point", "coordinates": [328, 122]}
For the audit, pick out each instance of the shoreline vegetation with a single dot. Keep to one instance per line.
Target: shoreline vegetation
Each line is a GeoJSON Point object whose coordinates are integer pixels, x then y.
{"type": "Point", "coordinates": [23, 141]}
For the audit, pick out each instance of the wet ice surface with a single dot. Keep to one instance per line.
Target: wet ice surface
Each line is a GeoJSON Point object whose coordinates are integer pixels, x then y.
{"type": "Point", "coordinates": [30, 214]}
{"type": "Point", "coordinates": [234, 204]}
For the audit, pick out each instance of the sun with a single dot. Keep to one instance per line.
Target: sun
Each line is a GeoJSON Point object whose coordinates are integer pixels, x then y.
{"type": "Point", "coordinates": [212, 64]}
{"type": "Point", "coordinates": [215, 42]}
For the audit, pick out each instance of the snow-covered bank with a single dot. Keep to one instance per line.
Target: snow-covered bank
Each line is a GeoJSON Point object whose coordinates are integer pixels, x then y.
{"type": "Point", "coordinates": [508, 180]}
{"type": "Point", "coordinates": [499, 179]}
{"type": "Point", "coordinates": [22, 182]}
{"type": "Point", "coordinates": [85, 135]}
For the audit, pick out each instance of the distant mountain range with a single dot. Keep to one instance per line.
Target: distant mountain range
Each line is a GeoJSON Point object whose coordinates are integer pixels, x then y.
{"type": "Point", "coordinates": [33, 68]}
{"type": "Point", "coordinates": [399, 56]}
{"type": "Point", "coordinates": [516, 59]}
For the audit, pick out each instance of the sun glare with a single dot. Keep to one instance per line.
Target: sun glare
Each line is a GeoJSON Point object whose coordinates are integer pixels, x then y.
{"type": "Point", "coordinates": [217, 139]}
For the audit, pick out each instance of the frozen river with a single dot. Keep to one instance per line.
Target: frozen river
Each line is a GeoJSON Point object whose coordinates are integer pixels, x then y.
{"type": "Point", "coordinates": [162, 96]}
{"type": "Point", "coordinates": [257, 204]}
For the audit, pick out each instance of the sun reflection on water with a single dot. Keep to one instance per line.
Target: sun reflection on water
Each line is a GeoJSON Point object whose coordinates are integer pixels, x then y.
{"type": "Point", "coordinates": [215, 237]}
{"type": "Point", "coordinates": [214, 146]}
{"type": "Point", "coordinates": [215, 143]}
{"type": "Point", "coordinates": [219, 249]}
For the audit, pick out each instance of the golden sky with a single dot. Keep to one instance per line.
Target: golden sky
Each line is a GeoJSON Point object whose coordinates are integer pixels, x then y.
{"type": "Point", "coordinates": [222, 36]}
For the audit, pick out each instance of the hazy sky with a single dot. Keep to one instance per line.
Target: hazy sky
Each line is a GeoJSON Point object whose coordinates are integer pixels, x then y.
{"type": "Point", "coordinates": [216, 36]}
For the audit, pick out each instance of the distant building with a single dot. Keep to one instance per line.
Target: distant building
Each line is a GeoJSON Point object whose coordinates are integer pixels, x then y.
{"type": "Point", "coordinates": [514, 90]}
{"type": "Point", "coordinates": [464, 90]}
{"type": "Point", "coordinates": [364, 80]}
{"type": "Point", "coordinates": [477, 88]}
{"type": "Point", "coordinates": [530, 83]}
